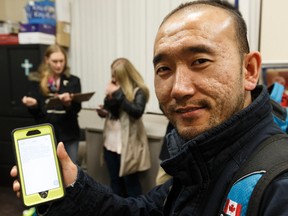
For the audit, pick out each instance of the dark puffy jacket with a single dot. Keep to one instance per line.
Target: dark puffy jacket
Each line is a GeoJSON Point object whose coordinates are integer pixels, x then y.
{"type": "Point", "coordinates": [201, 168]}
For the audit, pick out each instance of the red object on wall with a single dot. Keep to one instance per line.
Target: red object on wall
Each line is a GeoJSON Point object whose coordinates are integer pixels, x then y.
{"type": "Point", "coordinates": [8, 39]}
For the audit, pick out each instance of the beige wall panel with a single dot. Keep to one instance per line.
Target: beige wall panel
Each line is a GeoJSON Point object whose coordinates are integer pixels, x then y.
{"type": "Point", "coordinates": [274, 31]}
{"type": "Point", "coordinates": [12, 10]}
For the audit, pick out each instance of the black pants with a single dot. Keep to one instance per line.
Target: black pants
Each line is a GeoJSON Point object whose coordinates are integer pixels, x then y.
{"type": "Point", "coordinates": [124, 186]}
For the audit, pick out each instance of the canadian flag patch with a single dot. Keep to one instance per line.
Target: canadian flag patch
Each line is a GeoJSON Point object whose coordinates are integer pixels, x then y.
{"type": "Point", "coordinates": [232, 208]}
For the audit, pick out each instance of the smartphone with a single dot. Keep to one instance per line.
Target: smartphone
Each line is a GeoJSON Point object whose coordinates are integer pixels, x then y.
{"type": "Point", "coordinates": [38, 166]}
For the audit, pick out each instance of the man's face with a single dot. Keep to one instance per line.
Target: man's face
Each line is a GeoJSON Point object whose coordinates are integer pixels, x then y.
{"type": "Point", "coordinates": [57, 62]}
{"type": "Point", "coordinates": [198, 70]}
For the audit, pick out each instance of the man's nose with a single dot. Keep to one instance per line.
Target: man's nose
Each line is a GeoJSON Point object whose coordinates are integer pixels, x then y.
{"type": "Point", "coordinates": [183, 84]}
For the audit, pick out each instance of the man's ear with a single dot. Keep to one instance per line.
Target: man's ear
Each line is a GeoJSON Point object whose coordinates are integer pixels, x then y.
{"type": "Point", "coordinates": [252, 69]}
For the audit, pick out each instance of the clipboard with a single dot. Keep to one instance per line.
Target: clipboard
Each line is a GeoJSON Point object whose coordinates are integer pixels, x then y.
{"type": "Point", "coordinates": [81, 97]}
{"type": "Point", "coordinates": [77, 97]}
{"type": "Point", "coordinates": [52, 102]}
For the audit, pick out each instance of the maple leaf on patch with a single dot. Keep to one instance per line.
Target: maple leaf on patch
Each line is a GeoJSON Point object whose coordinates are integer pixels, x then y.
{"type": "Point", "coordinates": [232, 208]}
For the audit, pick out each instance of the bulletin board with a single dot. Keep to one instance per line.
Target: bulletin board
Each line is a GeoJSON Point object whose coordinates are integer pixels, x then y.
{"type": "Point", "coordinates": [275, 74]}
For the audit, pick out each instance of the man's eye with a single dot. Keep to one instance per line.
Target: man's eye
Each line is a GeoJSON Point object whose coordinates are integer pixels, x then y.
{"type": "Point", "coordinates": [200, 61]}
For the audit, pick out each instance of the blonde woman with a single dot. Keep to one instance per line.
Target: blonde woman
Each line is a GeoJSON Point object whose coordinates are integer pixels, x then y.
{"type": "Point", "coordinates": [124, 105]}
{"type": "Point", "coordinates": [53, 79]}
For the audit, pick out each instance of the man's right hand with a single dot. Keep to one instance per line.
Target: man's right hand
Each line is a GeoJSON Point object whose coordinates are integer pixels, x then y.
{"type": "Point", "coordinates": [69, 169]}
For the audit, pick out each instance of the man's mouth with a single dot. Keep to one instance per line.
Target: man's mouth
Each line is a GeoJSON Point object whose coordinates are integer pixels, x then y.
{"type": "Point", "coordinates": [187, 109]}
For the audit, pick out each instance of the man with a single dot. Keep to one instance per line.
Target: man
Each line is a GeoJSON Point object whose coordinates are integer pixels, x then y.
{"type": "Point", "coordinates": [206, 84]}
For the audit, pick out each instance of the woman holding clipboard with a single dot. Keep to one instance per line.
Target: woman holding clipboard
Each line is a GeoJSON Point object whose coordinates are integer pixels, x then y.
{"type": "Point", "coordinates": [53, 80]}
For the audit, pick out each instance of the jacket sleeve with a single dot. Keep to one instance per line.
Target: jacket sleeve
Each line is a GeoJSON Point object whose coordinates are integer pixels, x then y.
{"type": "Point", "coordinates": [89, 198]}
{"type": "Point", "coordinates": [75, 88]}
{"type": "Point", "coordinates": [134, 109]}
{"type": "Point", "coordinates": [137, 107]}
{"type": "Point", "coordinates": [38, 112]}
{"type": "Point", "coordinates": [275, 200]}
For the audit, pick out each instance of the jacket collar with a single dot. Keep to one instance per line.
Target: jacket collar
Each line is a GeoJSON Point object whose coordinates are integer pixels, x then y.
{"type": "Point", "coordinates": [204, 155]}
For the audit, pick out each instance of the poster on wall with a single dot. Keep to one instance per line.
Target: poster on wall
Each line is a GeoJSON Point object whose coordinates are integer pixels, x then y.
{"type": "Point", "coordinates": [277, 74]}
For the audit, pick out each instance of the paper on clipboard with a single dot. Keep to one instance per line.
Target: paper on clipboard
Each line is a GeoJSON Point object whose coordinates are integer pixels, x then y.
{"type": "Point", "coordinates": [77, 97]}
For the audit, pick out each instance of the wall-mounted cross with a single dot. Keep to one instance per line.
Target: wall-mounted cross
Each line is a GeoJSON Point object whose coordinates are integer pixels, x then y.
{"type": "Point", "coordinates": [26, 65]}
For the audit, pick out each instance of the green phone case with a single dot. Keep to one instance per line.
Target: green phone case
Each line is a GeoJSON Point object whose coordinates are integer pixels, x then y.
{"type": "Point", "coordinates": [38, 166]}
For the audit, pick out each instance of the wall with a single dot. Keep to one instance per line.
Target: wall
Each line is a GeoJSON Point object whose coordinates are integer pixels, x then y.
{"type": "Point", "coordinates": [2, 10]}
{"type": "Point", "coordinates": [251, 13]}
{"type": "Point", "coordinates": [274, 31]}
{"type": "Point", "coordinates": [12, 10]}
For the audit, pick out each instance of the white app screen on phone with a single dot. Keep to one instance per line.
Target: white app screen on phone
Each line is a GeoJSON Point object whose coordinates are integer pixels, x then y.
{"type": "Point", "coordinates": [38, 164]}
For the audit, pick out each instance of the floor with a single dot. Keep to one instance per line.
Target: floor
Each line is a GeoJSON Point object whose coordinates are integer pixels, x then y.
{"type": "Point", "coordinates": [10, 204]}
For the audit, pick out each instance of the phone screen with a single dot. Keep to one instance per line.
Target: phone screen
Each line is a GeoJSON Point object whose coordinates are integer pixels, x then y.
{"type": "Point", "coordinates": [38, 164]}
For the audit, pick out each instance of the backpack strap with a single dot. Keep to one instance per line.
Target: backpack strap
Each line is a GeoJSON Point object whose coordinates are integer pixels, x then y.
{"type": "Point", "coordinates": [255, 201]}
{"type": "Point", "coordinates": [269, 160]}
{"type": "Point", "coordinates": [240, 193]}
